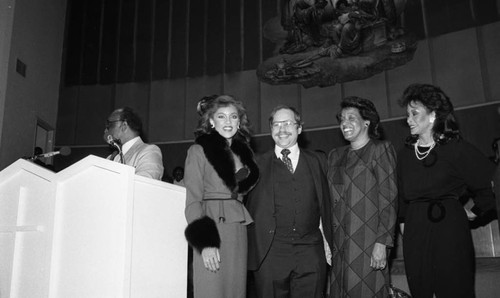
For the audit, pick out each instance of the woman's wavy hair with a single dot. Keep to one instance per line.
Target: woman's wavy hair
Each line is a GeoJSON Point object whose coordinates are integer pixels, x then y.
{"type": "Point", "coordinates": [445, 126]}
{"type": "Point", "coordinates": [208, 105]}
{"type": "Point", "coordinates": [368, 112]}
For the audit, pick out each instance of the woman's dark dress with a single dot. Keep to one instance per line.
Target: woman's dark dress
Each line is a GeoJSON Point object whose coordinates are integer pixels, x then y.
{"type": "Point", "coordinates": [437, 243]}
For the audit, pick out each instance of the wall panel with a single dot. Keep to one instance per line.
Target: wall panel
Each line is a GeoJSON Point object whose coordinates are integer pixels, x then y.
{"type": "Point", "coordinates": [144, 40]}
{"type": "Point", "coordinates": [485, 11]}
{"type": "Point", "coordinates": [251, 38]}
{"type": "Point", "coordinates": [269, 10]}
{"type": "Point", "coordinates": [74, 42]}
{"type": "Point", "coordinates": [178, 39]}
{"type": "Point", "coordinates": [233, 36]}
{"type": "Point", "coordinates": [457, 67]}
{"type": "Point", "coordinates": [215, 37]}
{"type": "Point", "coordinates": [66, 119]}
{"type": "Point", "coordinates": [491, 45]}
{"type": "Point", "coordinates": [167, 111]}
{"type": "Point", "coordinates": [271, 96]}
{"type": "Point", "coordinates": [413, 19]}
{"type": "Point", "coordinates": [196, 57]}
{"type": "Point", "coordinates": [173, 155]}
{"type": "Point", "coordinates": [126, 53]}
{"type": "Point", "coordinates": [416, 71]}
{"type": "Point", "coordinates": [374, 89]}
{"type": "Point", "coordinates": [196, 88]}
{"type": "Point", "coordinates": [136, 96]}
{"type": "Point", "coordinates": [161, 48]}
{"type": "Point", "coordinates": [92, 39]}
{"type": "Point", "coordinates": [109, 42]}
{"type": "Point", "coordinates": [89, 128]}
{"type": "Point", "coordinates": [245, 87]}
{"type": "Point", "coordinates": [320, 105]}
{"type": "Point", "coordinates": [445, 16]}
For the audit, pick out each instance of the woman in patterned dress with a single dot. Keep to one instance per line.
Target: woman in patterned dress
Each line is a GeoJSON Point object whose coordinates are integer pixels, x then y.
{"type": "Point", "coordinates": [363, 187]}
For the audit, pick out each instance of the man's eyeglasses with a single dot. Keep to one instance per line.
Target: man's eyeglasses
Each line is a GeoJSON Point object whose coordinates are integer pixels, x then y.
{"type": "Point", "coordinates": [110, 123]}
{"type": "Point", "coordinates": [285, 124]}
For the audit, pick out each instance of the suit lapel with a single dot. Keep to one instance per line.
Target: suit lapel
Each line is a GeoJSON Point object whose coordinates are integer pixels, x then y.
{"type": "Point", "coordinates": [130, 153]}
{"type": "Point", "coordinates": [268, 162]}
{"type": "Point", "coordinates": [314, 171]}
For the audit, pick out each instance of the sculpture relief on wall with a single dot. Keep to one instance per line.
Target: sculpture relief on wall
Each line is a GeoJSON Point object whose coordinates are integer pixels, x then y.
{"type": "Point", "coordinates": [325, 42]}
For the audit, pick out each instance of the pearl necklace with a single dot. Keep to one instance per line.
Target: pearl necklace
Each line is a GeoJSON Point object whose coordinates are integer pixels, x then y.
{"type": "Point", "coordinates": [422, 155]}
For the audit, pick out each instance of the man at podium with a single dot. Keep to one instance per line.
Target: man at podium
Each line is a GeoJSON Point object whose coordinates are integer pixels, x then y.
{"type": "Point", "coordinates": [123, 131]}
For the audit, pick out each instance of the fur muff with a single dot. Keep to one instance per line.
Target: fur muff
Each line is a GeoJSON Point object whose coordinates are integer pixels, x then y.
{"type": "Point", "coordinates": [202, 233]}
{"type": "Point", "coordinates": [220, 156]}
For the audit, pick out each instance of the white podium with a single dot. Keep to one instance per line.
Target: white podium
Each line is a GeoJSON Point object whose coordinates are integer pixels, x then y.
{"type": "Point", "coordinates": [92, 230]}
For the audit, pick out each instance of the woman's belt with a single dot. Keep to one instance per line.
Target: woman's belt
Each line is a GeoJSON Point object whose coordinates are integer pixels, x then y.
{"type": "Point", "coordinates": [436, 202]}
{"type": "Point", "coordinates": [222, 214]}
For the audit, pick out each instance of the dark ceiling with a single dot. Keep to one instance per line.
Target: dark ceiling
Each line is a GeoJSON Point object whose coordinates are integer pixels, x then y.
{"type": "Point", "coordinates": [113, 41]}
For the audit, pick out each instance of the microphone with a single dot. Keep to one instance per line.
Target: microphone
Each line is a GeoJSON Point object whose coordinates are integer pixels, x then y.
{"type": "Point", "coordinates": [63, 151]}
{"type": "Point", "coordinates": [113, 142]}
{"type": "Point", "coordinates": [116, 144]}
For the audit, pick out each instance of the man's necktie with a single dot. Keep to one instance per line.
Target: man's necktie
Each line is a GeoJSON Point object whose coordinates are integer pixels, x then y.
{"type": "Point", "coordinates": [286, 160]}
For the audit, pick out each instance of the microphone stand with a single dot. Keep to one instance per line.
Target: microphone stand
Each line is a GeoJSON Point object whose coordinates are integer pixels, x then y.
{"type": "Point", "coordinates": [121, 156]}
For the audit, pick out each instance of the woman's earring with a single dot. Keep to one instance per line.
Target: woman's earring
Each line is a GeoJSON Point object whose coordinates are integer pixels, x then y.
{"type": "Point", "coordinates": [431, 120]}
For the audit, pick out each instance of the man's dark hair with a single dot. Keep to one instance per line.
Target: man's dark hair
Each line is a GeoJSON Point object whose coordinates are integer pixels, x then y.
{"type": "Point", "coordinates": [133, 120]}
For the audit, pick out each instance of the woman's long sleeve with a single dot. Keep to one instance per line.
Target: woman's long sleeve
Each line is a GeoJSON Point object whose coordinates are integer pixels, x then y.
{"type": "Point", "coordinates": [385, 172]}
{"type": "Point", "coordinates": [194, 182]}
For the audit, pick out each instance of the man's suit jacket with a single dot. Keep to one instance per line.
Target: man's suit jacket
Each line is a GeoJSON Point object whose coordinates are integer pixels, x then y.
{"type": "Point", "coordinates": [260, 204]}
{"type": "Point", "coordinates": [145, 158]}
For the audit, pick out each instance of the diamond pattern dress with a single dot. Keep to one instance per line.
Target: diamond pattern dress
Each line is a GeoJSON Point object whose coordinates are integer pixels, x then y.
{"type": "Point", "coordinates": [364, 192]}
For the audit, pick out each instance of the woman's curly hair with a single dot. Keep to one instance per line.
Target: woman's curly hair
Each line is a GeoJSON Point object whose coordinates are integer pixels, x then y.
{"type": "Point", "coordinates": [445, 126]}
{"type": "Point", "coordinates": [208, 105]}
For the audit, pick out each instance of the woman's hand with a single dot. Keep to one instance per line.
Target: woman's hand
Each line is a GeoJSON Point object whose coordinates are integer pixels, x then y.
{"type": "Point", "coordinates": [211, 258]}
{"type": "Point", "coordinates": [470, 215]}
{"type": "Point", "coordinates": [378, 260]}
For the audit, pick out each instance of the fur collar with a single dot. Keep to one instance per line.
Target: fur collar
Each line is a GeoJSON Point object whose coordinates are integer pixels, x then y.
{"type": "Point", "coordinates": [219, 155]}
